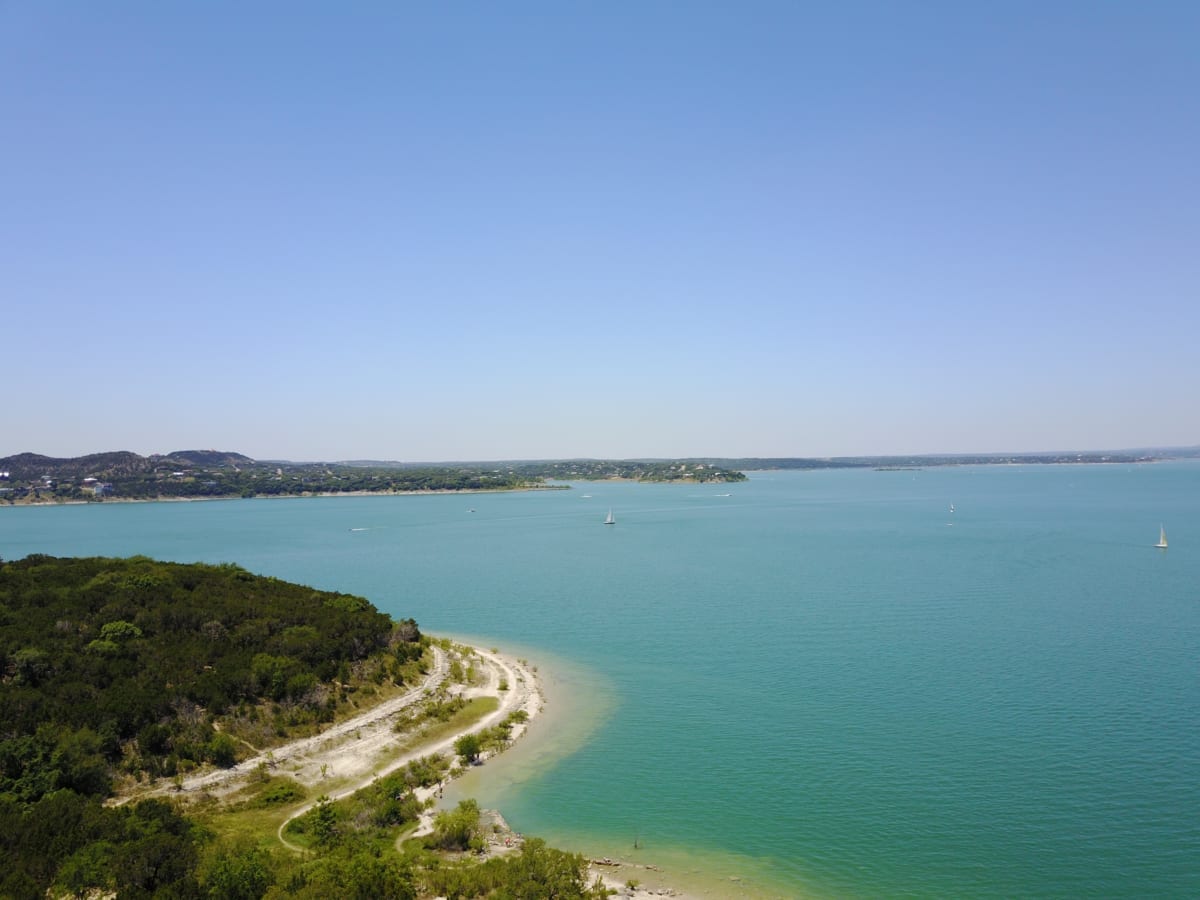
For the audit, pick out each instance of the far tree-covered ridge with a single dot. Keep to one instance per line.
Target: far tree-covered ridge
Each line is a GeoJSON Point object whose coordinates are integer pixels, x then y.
{"type": "Point", "coordinates": [750, 464]}
{"type": "Point", "coordinates": [196, 474]}
{"type": "Point", "coordinates": [659, 470]}
{"type": "Point", "coordinates": [192, 474]}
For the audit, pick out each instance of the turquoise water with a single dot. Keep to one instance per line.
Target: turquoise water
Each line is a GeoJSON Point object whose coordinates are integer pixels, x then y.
{"type": "Point", "coordinates": [816, 684]}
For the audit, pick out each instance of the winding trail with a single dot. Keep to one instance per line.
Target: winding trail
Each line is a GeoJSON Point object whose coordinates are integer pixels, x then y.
{"type": "Point", "coordinates": [375, 723]}
{"type": "Point", "coordinates": [523, 692]}
{"type": "Point", "coordinates": [355, 752]}
{"type": "Point", "coordinates": [351, 754]}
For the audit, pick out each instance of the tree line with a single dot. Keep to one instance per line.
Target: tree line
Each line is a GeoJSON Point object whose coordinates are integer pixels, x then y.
{"type": "Point", "coordinates": [118, 670]}
{"type": "Point", "coordinates": [29, 477]}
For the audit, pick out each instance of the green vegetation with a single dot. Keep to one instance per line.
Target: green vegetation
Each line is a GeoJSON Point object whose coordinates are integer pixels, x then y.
{"type": "Point", "coordinates": [191, 474]}
{"type": "Point", "coordinates": [32, 478]}
{"type": "Point", "coordinates": [207, 474]}
{"type": "Point", "coordinates": [467, 747]}
{"type": "Point", "coordinates": [495, 739]}
{"type": "Point", "coordinates": [118, 668]}
{"type": "Point", "coordinates": [655, 470]}
{"type": "Point", "coordinates": [457, 829]}
{"type": "Point", "coordinates": [536, 871]}
{"type": "Point", "coordinates": [279, 791]}
{"type": "Point", "coordinates": [200, 474]}
{"type": "Point", "coordinates": [439, 716]}
{"type": "Point", "coordinates": [371, 814]}
{"type": "Point", "coordinates": [123, 666]}
{"type": "Point", "coordinates": [364, 826]}
{"type": "Point", "coordinates": [74, 842]}
{"type": "Point", "coordinates": [750, 464]}
{"type": "Point", "coordinates": [115, 670]}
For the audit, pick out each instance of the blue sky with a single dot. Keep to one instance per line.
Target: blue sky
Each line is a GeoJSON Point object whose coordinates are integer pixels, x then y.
{"type": "Point", "coordinates": [489, 231]}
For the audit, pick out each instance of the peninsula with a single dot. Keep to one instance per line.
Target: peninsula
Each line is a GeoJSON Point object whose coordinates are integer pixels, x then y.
{"type": "Point", "coordinates": [197, 730]}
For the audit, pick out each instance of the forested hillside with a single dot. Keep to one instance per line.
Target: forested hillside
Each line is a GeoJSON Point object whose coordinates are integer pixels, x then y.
{"type": "Point", "coordinates": [118, 668]}
{"type": "Point", "coordinates": [128, 662]}
{"type": "Point", "coordinates": [113, 671]}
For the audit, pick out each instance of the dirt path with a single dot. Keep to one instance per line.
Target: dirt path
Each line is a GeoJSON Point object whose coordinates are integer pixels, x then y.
{"type": "Point", "coordinates": [360, 761]}
{"type": "Point", "coordinates": [350, 755]}
{"type": "Point", "coordinates": [372, 730]}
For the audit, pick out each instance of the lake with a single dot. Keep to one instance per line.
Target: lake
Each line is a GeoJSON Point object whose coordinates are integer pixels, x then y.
{"type": "Point", "coordinates": [816, 683]}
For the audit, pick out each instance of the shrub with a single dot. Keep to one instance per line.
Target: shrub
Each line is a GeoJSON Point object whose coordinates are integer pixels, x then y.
{"type": "Point", "coordinates": [279, 791]}
{"type": "Point", "coordinates": [467, 747]}
{"type": "Point", "coordinates": [457, 829]}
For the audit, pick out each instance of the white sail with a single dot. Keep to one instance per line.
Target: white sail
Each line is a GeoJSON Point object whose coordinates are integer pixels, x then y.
{"type": "Point", "coordinates": [610, 520]}
{"type": "Point", "coordinates": [1162, 538]}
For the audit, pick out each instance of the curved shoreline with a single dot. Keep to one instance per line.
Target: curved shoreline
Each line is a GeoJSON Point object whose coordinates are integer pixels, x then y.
{"type": "Point", "coordinates": [615, 873]}
{"type": "Point", "coordinates": [350, 755]}
{"type": "Point", "coordinates": [578, 700]}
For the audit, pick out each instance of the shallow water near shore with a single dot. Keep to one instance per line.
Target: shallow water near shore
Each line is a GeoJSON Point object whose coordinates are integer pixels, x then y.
{"type": "Point", "coordinates": [577, 703]}
{"type": "Point", "coordinates": [825, 683]}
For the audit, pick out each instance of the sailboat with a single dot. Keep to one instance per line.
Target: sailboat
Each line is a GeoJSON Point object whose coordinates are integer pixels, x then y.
{"type": "Point", "coordinates": [609, 520]}
{"type": "Point", "coordinates": [1162, 538]}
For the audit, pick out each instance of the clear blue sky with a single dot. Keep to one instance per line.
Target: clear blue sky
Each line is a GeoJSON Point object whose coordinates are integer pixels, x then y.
{"type": "Point", "coordinates": [510, 230]}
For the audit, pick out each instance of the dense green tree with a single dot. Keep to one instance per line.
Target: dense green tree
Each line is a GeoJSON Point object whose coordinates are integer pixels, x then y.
{"type": "Point", "coordinates": [356, 873]}
{"type": "Point", "coordinates": [77, 843]}
{"type": "Point", "coordinates": [30, 665]}
{"type": "Point", "coordinates": [124, 663]}
{"type": "Point", "coordinates": [467, 747]}
{"type": "Point", "coordinates": [222, 751]}
{"type": "Point", "coordinates": [537, 872]}
{"type": "Point", "coordinates": [238, 874]}
{"type": "Point", "coordinates": [159, 853]}
{"type": "Point", "coordinates": [457, 829]}
{"type": "Point", "coordinates": [88, 870]}
{"type": "Point", "coordinates": [120, 647]}
{"type": "Point", "coordinates": [119, 631]}
{"type": "Point", "coordinates": [324, 821]}
{"type": "Point", "coordinates": [368, 876]}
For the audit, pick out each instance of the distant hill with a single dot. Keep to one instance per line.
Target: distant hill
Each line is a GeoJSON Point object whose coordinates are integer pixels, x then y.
{"type": "Point", "coordinates": [198, 474]}
{"type": "Point", "coordinates": [210, 458]}
{"type": "Point", "coordinates": [112, 465]}
{"type": "Point", "coordinates": [34, 465]}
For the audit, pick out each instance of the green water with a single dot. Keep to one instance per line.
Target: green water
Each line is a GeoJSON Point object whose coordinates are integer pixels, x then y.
{"type": "Point", "coordinates": [817, 684]}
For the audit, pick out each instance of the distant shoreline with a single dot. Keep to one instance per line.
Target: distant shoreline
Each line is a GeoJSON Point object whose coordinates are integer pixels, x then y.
{"type": "Point", "coordinates": [306, 496]}
{"type": "Point", "coordinates": [561, 484]}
